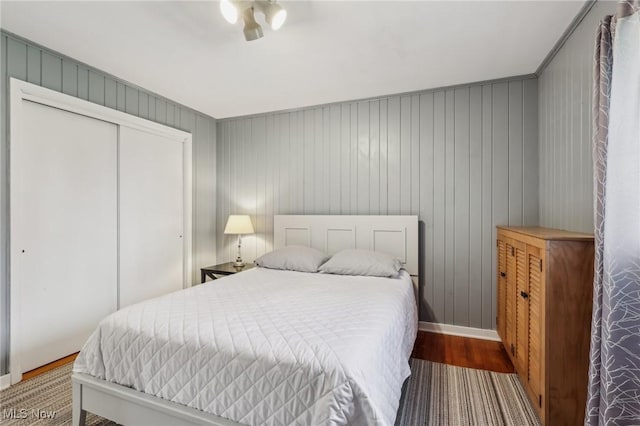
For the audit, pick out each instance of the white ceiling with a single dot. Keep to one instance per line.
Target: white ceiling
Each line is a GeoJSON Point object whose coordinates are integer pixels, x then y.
{"type": "Point", "coordinates": [327, 51]}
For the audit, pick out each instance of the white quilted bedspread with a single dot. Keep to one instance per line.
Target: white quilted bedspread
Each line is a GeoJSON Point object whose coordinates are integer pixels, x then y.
{"type": "Point", "coordinates": [267, 347]}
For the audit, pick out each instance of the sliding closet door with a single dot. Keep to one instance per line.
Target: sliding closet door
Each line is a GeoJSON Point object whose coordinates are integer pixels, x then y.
{"type": "Point", "coordinates": [151, 216]}
{"type": "Point", "coordinates": [63, 231]}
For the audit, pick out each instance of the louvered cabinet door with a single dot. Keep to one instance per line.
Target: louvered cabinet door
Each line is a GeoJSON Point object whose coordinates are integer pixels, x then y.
{"type": "Point", "coordinates": [510, 332]}
{"type": "Point", "coordinates": [534, 372]}
{"type": "Point", "coordinates": [502, 289]}
{"type": "Point", "coordinates": [546, 305]}
{"type": "Point", "coordinates": [522, 309]}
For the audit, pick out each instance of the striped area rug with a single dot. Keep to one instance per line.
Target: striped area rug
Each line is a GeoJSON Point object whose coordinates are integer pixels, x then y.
{"type": "Point", "coordinates": [436, 394]}
{"type": "Point", "coordinates": [50, 393]}
{"type": "Point", "coordinates": [439, 394]}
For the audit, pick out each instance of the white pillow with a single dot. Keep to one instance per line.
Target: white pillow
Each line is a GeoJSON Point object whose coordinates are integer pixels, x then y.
{"type": "Point", "coordinates": [362, 262]}
{"type": "Point", "coordinates": [293, 258]}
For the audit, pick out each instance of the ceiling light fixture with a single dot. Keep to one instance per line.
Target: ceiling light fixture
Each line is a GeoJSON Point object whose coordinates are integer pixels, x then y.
{"type": "Point", "coordinates": [274, 14]}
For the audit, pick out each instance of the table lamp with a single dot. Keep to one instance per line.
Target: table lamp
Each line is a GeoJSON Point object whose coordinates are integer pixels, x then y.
{"type": "Point", "coordinates": [238, 224]}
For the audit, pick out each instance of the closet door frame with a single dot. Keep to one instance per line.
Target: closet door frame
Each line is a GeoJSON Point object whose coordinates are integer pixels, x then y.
{"type": "Point", "coordinates": [21, 91]}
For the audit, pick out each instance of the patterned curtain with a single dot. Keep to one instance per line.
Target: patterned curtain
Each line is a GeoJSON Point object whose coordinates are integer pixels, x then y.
{"type": "Point", "coordinates": [614, 382]}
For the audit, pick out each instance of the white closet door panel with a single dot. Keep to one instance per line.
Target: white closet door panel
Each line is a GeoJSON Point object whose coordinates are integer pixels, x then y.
{"type": "Point", "coordinates": [151, 216]}
{"type": "Point", "coordinates": [64, 228]}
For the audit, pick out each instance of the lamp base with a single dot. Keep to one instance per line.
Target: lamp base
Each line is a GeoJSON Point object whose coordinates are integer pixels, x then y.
{"type": "Point", "coordinates": [239, 263]}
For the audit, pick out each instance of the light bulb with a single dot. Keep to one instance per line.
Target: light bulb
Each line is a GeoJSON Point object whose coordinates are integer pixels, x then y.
{"type": "Point", "coordinates": [274, 14]}
{"type": "Point", "coordinates": [277, 20]}
{"type": "Point", "coordinates": [229, 11]}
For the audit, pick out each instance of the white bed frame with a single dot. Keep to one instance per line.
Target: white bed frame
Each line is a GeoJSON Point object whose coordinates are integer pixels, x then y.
{"type": "Point", "coordinates": [394, 235]}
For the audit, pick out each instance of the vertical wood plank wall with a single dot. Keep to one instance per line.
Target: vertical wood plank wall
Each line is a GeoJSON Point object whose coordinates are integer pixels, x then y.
{"type": "Point", "coordinates": [26, 61]}
{"type": "Point", "coordinates": [464, 159]}
{"type": "Point", "coordinates": [566, 167]}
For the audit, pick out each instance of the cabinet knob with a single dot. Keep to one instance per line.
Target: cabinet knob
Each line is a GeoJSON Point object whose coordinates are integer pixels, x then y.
{"type": "Point", "coordinates": [502, 274]}
{"type": "Point", "coordinates": [524, 294]}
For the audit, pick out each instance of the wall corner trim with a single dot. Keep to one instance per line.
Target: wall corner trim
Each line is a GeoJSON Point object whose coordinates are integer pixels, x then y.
{"type": "Point", "coordinates": [5, 381]}
{"type": "Point", "coordinates": [458, 330]}
{"type": "Point", "coordinates": [584, 11]}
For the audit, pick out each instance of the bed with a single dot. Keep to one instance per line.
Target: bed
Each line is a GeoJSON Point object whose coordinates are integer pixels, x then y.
{"type": "Point", "coordinates": [264, 346]}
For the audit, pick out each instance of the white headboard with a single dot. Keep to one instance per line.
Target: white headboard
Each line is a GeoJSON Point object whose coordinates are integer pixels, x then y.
{"type": "Point", "coordinates": [394, 235]}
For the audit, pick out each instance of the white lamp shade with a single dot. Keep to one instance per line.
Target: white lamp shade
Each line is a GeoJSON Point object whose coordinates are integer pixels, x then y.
{"type": "Point", "coordinates": [238, 224]}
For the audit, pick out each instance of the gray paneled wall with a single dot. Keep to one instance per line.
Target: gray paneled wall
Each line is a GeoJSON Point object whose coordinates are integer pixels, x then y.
{"type": "Point", "coordinates": [26, 61]}
{"type": "Point", "coordinates": [464, 159]}
{"type": "Point", "coordinates": [566, 168]}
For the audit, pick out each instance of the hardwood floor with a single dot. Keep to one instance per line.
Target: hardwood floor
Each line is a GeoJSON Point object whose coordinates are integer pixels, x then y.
{"type": "Point", "coordinates": [463, 352]}
{"type": "Point", "coordinates": [48, 367]}
{"type": "Point", "coordinates": [443, 348]}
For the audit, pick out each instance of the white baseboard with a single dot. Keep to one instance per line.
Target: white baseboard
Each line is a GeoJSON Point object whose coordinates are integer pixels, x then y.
{"type": "Point", "coordinates": [457, 330]}
{"type": "Point", "coordinates": [5, 381]}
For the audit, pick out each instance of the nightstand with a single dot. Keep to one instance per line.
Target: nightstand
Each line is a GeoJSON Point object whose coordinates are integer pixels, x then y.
{"type": "Point", "coordinates": [222, 269]}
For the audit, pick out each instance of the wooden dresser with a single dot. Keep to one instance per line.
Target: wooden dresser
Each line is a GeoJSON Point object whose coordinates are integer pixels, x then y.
{"type": "Point", "coordinates": [544, 288]}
